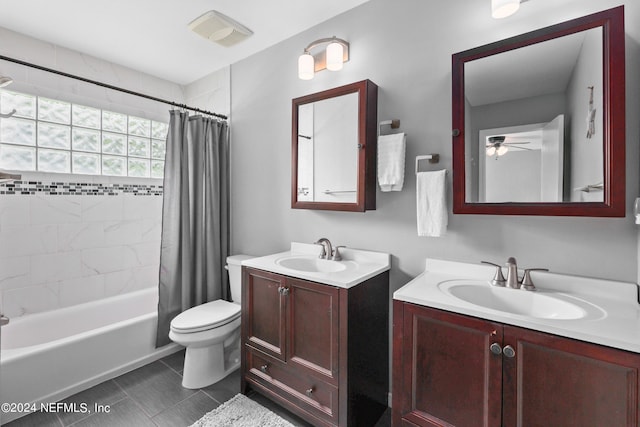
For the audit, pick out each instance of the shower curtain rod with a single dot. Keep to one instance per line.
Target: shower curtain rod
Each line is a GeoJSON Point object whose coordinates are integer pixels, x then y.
{"type": "Point", "coordinates": [108, 86]}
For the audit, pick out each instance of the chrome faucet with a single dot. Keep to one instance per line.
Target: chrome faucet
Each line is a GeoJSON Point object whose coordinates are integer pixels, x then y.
{"type": "Point", "coordinates": [512, 274]}
{"type": "Point", "coordinates": [327, 250]}
{"type": "Point", "coordinates": [512, 281]}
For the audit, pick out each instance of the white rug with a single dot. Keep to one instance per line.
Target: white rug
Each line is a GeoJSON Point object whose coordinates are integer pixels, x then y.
{"type": "Point", "coordinates": [240, 411]}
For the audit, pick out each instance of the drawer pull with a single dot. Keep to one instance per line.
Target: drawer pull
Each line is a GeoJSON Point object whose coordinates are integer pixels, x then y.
{"type": "Point", "coordinates": [264, 368]}
{"type": "Point", "coordinates": [309, 392]}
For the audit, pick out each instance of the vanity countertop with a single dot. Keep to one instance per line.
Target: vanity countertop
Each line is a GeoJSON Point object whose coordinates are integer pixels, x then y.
{"type": "Point", "coordinates": [612, 311]}
{"type": "Point", "coordinates": [355, 267]}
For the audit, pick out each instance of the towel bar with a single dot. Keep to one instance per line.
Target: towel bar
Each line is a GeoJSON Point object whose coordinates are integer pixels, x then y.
{"type": "Point", "coordinates": [394, 124]}
{"type": "Point", "coordinates": [433, 158]}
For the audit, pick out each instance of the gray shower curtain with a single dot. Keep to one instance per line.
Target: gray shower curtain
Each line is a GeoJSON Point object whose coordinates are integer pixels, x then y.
{"type": "Point", "coordinates": [195, 217]}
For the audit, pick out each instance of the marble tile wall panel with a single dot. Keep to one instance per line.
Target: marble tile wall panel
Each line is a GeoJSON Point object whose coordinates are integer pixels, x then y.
{"type": "Point", "coordinates": [58, 249]}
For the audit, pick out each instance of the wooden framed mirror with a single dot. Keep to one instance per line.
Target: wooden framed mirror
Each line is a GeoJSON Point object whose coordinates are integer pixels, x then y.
{"type": "Point", "coordinates": [539, 121]}
{"type": "Point", "coordinates": [334, 149]}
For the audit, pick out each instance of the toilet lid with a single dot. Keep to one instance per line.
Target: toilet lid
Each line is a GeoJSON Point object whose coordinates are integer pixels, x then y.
{"type": "Point", "coordinates": [206, 316]}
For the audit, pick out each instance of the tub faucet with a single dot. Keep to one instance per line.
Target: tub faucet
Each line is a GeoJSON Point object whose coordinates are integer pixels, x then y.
{"type": "Point", "coordinates": [327, 250]}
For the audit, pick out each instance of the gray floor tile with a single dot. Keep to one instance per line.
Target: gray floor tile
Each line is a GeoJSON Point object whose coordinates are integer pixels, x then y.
{"type": "Point", "coordinates": [37, 419]}
{"type": "Point", "coordinates": [274, 407]}
{"type": "Point", "coordinates": [226, 388]}
{"type": "Point", "coordinates": [175, 361]}
{"type": "Point", "coordinates": [106, 393]}
{"type": "Point", "coordinates": [186, 412]}
{"type": "Point", "coordinates": [124, 413]}
{"type": "Point", "coordinates": [158, 391]}
{"type": "Point", "coordinates": [141, 375]}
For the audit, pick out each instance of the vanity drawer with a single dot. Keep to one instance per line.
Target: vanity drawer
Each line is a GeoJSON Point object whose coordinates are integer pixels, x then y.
{"type": "Point", "coordinates": [306, 391]}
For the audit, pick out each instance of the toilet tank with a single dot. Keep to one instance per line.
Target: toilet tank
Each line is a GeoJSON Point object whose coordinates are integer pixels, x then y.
{"type": "Point", "coordinates": [234, 266]}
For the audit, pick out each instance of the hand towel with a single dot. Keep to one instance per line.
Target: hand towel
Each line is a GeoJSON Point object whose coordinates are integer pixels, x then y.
{"type": "Point", "coordinates": [431, 203]}
{"type": "Point", "coordinates": [391, 153]}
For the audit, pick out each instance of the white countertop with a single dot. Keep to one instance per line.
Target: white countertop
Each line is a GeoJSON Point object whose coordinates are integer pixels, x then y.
{"type": "Point", "coordinates": [616, 323]}
{"type": "Point", "coordinates": [359, 265]}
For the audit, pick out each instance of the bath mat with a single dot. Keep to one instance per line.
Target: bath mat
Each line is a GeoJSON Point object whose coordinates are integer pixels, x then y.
{"type": "Point", "coordinates": [240, 411]}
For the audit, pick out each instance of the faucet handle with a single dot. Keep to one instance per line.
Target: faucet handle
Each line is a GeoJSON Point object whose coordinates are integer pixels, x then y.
{"type": "Point", "coordinates": [527, 283]}
{"type": "Point", "coordinates": [498, 278]}
{"type": "Point", "coordinates": [336, 254]}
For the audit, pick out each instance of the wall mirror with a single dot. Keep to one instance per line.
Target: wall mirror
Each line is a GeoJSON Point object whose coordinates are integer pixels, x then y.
{"type": "Point", "coordinates": [333, 152]}
{"type": "Point", "coordinates": [539, 121]}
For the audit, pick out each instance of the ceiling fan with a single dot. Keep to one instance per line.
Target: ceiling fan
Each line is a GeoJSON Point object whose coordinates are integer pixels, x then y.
{"type": "Point", "coordinates": [499, 146]}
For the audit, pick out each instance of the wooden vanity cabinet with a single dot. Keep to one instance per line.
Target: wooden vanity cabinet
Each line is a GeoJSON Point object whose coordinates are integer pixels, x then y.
{"type": "Point", "coordinates": [455, 370]}
{"type": "Point", "coordinates": [318, 350]}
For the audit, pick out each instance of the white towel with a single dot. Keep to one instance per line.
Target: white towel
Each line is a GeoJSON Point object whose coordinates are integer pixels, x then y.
{"type": "Point", "coordinates": [391, 150]}
{"type": "Point", "coordinates": [431, 203]}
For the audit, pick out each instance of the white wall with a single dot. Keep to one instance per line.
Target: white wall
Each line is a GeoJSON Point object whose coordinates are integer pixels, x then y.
{"type": "Point", "coordinates": [405, 47]}
{"type": "Point", "coordinates": [586, 153]}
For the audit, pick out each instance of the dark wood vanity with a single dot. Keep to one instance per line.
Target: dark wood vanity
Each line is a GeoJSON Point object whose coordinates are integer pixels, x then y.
{"type": "Point", "coordinates": [318, 350]}
{"type": "Point", "coordinates": [456, 370]}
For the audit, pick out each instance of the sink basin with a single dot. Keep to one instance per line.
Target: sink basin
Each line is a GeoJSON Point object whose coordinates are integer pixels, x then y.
{"type": "Point", "coordinates": [311, 264]}
{"type": "Point", "coordinates": [538, 304]}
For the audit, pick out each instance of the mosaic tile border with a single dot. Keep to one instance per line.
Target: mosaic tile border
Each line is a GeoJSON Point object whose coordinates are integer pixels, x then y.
{"type": "Point", "coordinates": [78, 189]}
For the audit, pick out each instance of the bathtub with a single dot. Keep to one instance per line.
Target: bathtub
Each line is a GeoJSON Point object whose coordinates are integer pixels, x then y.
{"type": "Point", "coordinates": [46, 357]}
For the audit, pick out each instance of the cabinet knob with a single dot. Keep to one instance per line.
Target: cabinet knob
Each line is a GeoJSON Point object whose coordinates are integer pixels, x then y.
{"type": "Point", "coordinates": [283, 291]}
{"type": "Point", "coordinates": [509, 351]}
{"type": "Point", "coordinates": [309, 391]}
{"type": "Point", "coordinates": [264, 368]}
{"type": "Point", "coordinates": [495, 348]}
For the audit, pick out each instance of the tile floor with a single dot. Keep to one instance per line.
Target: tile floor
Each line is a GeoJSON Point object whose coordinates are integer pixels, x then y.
{"type": "Point", "coordinates": [153, 396]}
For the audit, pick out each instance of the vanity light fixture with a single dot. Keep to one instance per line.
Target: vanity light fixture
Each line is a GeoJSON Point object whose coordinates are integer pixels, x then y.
{"type": "Point", "coordinates": [331, 58]}
{"type": "Point", "coordinates": [503, 8]}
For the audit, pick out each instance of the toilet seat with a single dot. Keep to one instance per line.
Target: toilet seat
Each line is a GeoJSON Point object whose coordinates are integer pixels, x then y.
{"type": "Point", "coordinates": [205, 316]}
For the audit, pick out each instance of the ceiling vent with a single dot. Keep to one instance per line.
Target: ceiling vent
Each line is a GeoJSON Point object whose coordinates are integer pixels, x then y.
{"type": "Point", "coordinates": [219, 28]}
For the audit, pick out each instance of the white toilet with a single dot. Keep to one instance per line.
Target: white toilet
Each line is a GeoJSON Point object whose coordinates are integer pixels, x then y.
{"type": "Point", "coordinates": [211, 334]}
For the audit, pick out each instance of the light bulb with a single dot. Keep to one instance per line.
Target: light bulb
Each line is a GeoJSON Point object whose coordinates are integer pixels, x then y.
{"type": "Point", "coordinates": [503, 8]}
{"type": "Point", "coordinates": [306, 66]}
{"type": "Point", "coordinates": [335, 53]}
{"type": "Point", "coordinates": [502, 150]}
{"type": "Point", "coordinates": [491, 151]}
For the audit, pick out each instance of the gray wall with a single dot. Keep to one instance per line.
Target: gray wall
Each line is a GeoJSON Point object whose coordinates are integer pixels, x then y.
{"type": "Point", "coordinates": [405, 47]}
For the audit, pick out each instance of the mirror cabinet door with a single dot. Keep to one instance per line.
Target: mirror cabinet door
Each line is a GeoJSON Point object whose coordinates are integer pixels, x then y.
{"type": "Point", "coordinates": [333, 162]}
{"type": "Point", "coordinates": [540, 120]}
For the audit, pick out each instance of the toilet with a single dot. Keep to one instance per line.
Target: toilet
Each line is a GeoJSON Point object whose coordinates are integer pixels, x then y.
{"type": "Point", "coordinates": [211, 334]}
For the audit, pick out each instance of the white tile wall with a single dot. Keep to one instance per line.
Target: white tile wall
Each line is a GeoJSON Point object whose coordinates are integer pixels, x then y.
{"type": "Point", "coordinates": [57, 251]}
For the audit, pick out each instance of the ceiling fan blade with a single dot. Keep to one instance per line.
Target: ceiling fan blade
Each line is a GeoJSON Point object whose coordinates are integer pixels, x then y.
{"type": "Point", "coordinates": [512, 143]}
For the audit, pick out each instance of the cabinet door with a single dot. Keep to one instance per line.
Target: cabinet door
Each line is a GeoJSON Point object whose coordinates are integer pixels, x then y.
{"type": "Point", "coordinates": [555, 381]}
{"type": "Point", "coordinates": [313, 327]}
{"type": "Point", "coordinates": [264, 309]}
{"type": "Point", "coordinates": [449, 375]}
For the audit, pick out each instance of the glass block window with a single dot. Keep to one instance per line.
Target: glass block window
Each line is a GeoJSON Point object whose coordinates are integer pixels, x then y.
{"type": "Point", "coordinates": [50, 135]}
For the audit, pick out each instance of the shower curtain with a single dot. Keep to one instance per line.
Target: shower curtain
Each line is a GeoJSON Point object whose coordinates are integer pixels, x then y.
{"type": "Point", "coordinates": [195, 217]}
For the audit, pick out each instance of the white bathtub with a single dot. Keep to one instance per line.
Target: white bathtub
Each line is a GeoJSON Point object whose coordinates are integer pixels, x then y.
{"type": "Point", "coordinates": [46, 357]}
